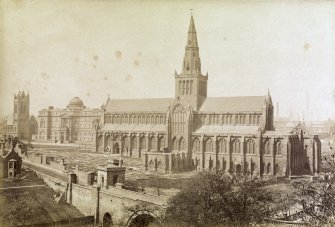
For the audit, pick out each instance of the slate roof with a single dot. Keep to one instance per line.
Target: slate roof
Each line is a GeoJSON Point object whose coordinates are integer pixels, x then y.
{"type": "Point", "coordinates": [231, 129]}
{"type": "Point", "coordinates": [211, 104]}
{"type": "Point", "coordinates": [233, 104]}
{"type": "Point", "coordinates": [139, 105]}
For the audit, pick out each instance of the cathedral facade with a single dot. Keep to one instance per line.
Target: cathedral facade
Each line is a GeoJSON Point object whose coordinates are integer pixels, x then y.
{"type": "Point", "coordinates": [194, 132]}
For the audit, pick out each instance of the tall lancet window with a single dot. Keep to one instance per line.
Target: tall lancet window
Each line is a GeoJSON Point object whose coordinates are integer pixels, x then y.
{"type": "Point", "coordinates": [178, 121]}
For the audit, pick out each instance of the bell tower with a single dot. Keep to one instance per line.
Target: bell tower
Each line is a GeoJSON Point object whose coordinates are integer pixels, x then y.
{"type": "Point", "coordinates": [190, 84]}
{"type": "Point", "coordinates": [21, 115]}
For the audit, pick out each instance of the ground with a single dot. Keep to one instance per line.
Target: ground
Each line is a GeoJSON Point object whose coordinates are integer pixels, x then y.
{"type": "Point", "coordinates": [32, 203]}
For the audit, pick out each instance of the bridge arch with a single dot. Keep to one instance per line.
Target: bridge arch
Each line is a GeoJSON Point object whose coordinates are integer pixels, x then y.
{"type": "Point", "coordinates": [143, 218]}
{"type": "Point", "coordinates": [107, 220]}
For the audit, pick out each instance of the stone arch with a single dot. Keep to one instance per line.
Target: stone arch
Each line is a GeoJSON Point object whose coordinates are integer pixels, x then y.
{"type": "Point", "coordinates": [125, 142]}
{"type": "Point", "coordinates": [161, 143]}
{"type": "Point", "coordinates": [196, 145]}
{"type": "Point", "coordinates": [116, 148]}
{"type": "Point", "coordinates": [252, 167]}
{"type": "Point", "coordinates": [181, 144]}
{"type": "Point", "coordinates": [267, 147]}
{"type": "Point", "coordinates": [143, 218]}
{"type": "Point", "coordinates": [151, 163]}
{"type": "Point", "coordinates": [210, 163]}
{"type": "Point", "coordinates": [224, 164]}
{"type": "Point", "coordinates": [250, 146]}
{"type": "Point", "coordinates": [238, 168]}
{"type": "Point", "coordinates": [278, 148]}
{"type": "Point", "coordinates": [152, 143]}
{"type": "Point", "coordinates": [174, 144]}
{"type": "Point", "coordinates": [277, 169]}
{"type": "Point", "coordinates": [159, 164]}
{"type": "Point", "coordinates": [178, 119]}
{"type": "Point", "coordinates": [107, 220]}
{"type": "Point", "coordinates": [133, 142]}
{"type": "Point", "coordinates": [236, 146]}
{"type": "Point", "coordinates": [109, 140]}
{"type": "Point", "coordinates": [268, 168]}
{"type": "Point", "coordinates": [222, 146]}
{"type": "Point", "coordinates": [209, 145]}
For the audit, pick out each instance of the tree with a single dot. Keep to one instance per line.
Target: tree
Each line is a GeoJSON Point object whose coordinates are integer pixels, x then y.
{"type": "Point", "coordinates": [316, 200]}
{"type": "Point", "coordinates": [216, 198]}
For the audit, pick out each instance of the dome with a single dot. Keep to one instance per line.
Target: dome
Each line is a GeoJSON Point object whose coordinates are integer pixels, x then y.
{"type": "Point", "coordinates": [76, 103]}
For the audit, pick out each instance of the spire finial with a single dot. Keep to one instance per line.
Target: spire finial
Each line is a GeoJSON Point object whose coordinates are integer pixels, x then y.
{"type": "Point", "coordinates": [191, 12]}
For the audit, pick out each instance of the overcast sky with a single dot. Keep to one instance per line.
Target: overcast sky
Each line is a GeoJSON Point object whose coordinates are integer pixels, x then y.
{"type": "Point", "coordinates": [127, 49]}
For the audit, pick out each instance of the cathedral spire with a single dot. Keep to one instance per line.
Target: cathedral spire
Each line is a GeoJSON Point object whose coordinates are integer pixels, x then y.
{"type": "Point", "coordinates": [192, 34]}
{"type": "Point", "coordinates": [192, 64]}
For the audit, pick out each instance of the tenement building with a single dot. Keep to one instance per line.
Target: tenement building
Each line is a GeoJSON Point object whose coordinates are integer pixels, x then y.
{"type": "Point", "coordinates": [73, 124]}
{"type": "Point", "coordinates": [18, 123]}
{"type": "Point", "coordinates": [193, 131]}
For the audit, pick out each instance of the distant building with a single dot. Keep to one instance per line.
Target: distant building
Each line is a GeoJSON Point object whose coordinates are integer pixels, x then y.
{"type": "Point", "coordinates": [194, 132]}
{"type": "Point", "coordinates": [73, 124]}
{"type": "Point", "coordinates": [17, 124]}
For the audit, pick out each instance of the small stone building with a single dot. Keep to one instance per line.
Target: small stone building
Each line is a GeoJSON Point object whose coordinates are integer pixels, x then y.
{"type": "Point", "coordinates": [10, 164]}
{"type": "Point", "coordinates": [111, 174]}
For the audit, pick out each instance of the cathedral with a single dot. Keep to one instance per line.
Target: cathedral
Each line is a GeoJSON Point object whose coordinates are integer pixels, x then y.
{"type": "Point", "coordinates": [194, 132]}
{"type": "Point", "coordinates": [18, 124]}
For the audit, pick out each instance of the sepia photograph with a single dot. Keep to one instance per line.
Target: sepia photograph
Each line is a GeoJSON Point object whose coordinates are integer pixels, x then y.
{"type": "Point", "coordinates": [167, 113]}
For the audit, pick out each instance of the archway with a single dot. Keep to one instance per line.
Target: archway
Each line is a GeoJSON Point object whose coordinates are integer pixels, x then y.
{"type": "Point", "coordinates": [107, 220]}
{"type": "Point", "coordinates": [238, 168]}
{"type": "Point", "coordinates": [142, 220]}
{"type": "Point", "coordinates": [116, 148]}
{"type": "Point", "coordinates": [268, 169]}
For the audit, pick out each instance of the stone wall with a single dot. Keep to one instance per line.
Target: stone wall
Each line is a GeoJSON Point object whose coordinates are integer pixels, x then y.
{"type": "Point", "coordinates": [84, 177]}
{"type": "Point", "coordinates": [56, 184]}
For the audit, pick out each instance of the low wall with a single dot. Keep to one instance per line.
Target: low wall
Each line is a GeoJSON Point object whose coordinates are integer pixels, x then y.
{"type": "Point", "coordinates": [56, 184]}
{"type": "Point", "coordinates": [46, 170]}
{"type": "Point", "coordinates": [73, 222]}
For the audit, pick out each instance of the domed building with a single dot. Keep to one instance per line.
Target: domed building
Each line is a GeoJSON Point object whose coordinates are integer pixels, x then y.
{"type": "Point", "coordinates": [73, 124]}
{"type": "Point", "coordinates": [75, 104]}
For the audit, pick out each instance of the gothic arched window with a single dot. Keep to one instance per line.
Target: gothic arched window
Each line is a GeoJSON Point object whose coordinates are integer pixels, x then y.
{"type": "Point", "coordinates": [222, 146]}
{"type": "Point", "coordinates": [278, 148]}
{"type": "Point", "coordinates": [196, 145]}
{"type": "Point", "coordinates": [209, 145]}
{"type": "Point", "coordinates": [178, 120]}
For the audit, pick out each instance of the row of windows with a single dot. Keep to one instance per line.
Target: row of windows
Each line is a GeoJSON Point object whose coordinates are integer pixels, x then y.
{"type": "Point", "coordinates": [135, 119]}
{"type": "Point", "coordinates": [215, 119]}
{"type": "Point", "coordinates": [185, 87]}
{"type": "Point", "coordinates": [65, 124]}
{"type": "Point", "coordinates": [236, 146]}
{"type": "Point", "coordinates": [153, 143]}
{"type": "Point", "coordinates": [267, 148]}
